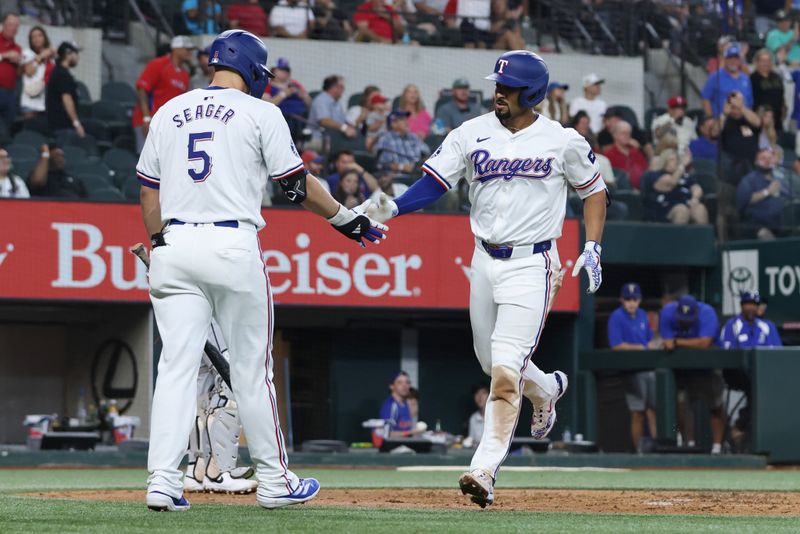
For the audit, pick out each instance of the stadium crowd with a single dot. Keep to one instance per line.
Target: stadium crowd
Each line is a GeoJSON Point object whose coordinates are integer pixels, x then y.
{"type": "Point", "coordinates": [732, 163]}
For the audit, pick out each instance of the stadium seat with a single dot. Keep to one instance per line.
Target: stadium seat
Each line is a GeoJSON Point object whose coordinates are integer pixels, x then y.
{"type": "Point", "coordinates": [97, 128]}
{"type": "Point", "coordinates": [93, 181]}
{"type": "Point", "coordinates": [22, 167]}
{"type": "Point", "coordinates": [30, 137]}
{"type": "Point", "coordinates": [633, 200]}
{"type": "Point", "coordinates": [366, 160]}
{"type": "Point", "coordinates": [339, 141]}
{"type": "Point", "coordinates": [787, 140]}
{"type": "Point", "coordinates": [433, 141]}
{"type": "Point", "coordinates": [705, 166]}
{"type": "Point", "coordinates": [126, 142]}
{"type": "Point", "coordinates": [120, 160]}
{"type": "Point", "coordinates": [623, 180]}
{"type": "Point", "coordinates": [74, 153]}
{"type": "Point", "coordinates": [108, 194]}
{"type": "Point", "coordinates": [89, 167]}
{"type": "Point", "coordinates": [707, 181]}
{"type": "Point", "coordinates": [109, 111]}
{"type": "Point", "coordinates": [446, 95]}
{"type": "Point", "coordinates": [396, 103]}
{"type": "Point", "coordinates": [20, 151]}
{"type": "Point", "coordinates": [83, 92]}
{"type": "Point", "coordinates": [130, 187]}
{"type": "Point", "coordinates": [354, 99]}
{"type": "Point", "coordinates": [119, 92]}
{"type": "Point", "coordinates": [37, 124]}
{"type": "Point", "coordinates": [87, 143]}
{"type": "Point", "coordinates": [313, 94]}
{"type": "Point", "coordinates": [696, 114]}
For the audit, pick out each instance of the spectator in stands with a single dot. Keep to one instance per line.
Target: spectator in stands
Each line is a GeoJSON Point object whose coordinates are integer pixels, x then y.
{"type": "Point", "coordinates": [49, 177]}
{"type": "Point", "coordinates": [762, 195]}
{"type": "Point", "coordinates": [386, 184]}
{"type": "Point", "coordinates": [768, 87]}
{"type": "Point", "coordinates": [739, 144]}
{"type": "Point", "coordinates": [162, 79]}
{"type": "Point", "coordinates": [291, 18]}
{"type": "Point", "coordinates": [605, 138]}
{"type": "Point", "coordinates": [374, 124]}
{"type": "Point", "coordinates": [398, 149]}
{"type": "Point", "coordinates": [629, 329]}
{"type": "Point", "coordinates": [11, 185]}
{"type": "Point", "coordinates": [314, 163]}
{"type": "Point", "coordinates": [419, 120]}
{"type": "Point", "coordinates": [347, 191]}
{"type": "Point", "coordinates": [376, 21]}
{"type": "Point", "coordinates": [196, 23]}
{"type": "Point", "coordinates": [747, 330]}
{"type": "Point", "coordinates": [675, 121]}
{"type": "Point", "coordinates": [591, 102]}
{"type": "Point", "coordinates": [61, 97]}
{"type": "Point", "coordinates": [344, 161]}
{"type": "Point", "coordinates": [205, 73]}
{"type": "Point", "coordinates": [37, 64]}
{"type": "Point", "coordinates": [331, 22]}
{"type": "Point", "coordinates": [461, 108]}
{"type": "Point", "coordinates": [782, 41]}
{"type": "Point", "coordinates": [768, 137]}
{"type": "Point", "coordinates": [289, 95]}
{"type": "Point", "coordinates": [688, 323]}
{"type": "Point", "coordinates": [395, 408]}
{"type": "Point", "coordinates": [580, 122]}
{"type": "Point", "coordinates": [670, 193]}
{"type": "Point", "coordinates": [624, 154]}
{"type": "Point", "coordinates": [249, 16]}
{"type": "Point", "coordinates": [705, 145]}
{"type": "Point", "coordinates": [10, 57]}
{"type": "Point", "coordinates": [327, 112]}
{"type": "Point", "coordinates": [480, 394]}
{"type": "Point", "coordinates": [723, 82]}
{"type": "Point", "coordinates": [357, 115]}
{"type": "Point", "coordinates": [554, 106]}
{"type": "Point", "coordinates": [488, 24]}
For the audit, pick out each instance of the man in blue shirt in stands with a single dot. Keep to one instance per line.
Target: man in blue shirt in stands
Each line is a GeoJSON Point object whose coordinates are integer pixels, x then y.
{"type": "Point", "coordinates": [629, 329]}
{"type": "Point", "coordinates": [746, 330]}
{"type": "Point", "coordinates": [727, 79]}
{"type": "Point", "coordinates": [688, 323]}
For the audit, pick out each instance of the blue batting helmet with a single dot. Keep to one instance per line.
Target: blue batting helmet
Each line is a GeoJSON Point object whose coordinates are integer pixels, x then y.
{"type": "Point", "coordinates": [520, 68]}
{"type": "Point", "coordinates": [246, 54]}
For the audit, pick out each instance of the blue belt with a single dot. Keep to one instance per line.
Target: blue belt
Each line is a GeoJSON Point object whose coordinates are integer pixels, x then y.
{"type": "Point", "coordinates": [503, 252]}
{"type": "Point", "coordinates": [227, 224]}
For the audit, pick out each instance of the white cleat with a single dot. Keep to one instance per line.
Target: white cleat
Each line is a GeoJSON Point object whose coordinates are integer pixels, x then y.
{"type": "Point", "coordinates": [544, 416]}
{"type": "Point", "coordinates": [161, 502]}
{"type": "Point", "coordinates": [479, 485]}
{"type": "Point", "coordinates": [305, 491]}
{"type": "Point", "coordinates": [225, 483]}
{"type": "Point", "coordinates": [192, 485]}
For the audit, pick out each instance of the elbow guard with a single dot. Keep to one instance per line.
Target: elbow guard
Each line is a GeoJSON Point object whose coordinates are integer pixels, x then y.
{"type": "Point", "coordinates": [294, 187]}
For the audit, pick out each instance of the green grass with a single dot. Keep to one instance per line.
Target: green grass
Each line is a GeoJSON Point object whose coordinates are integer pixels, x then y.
{"type": "Point", "coordinates": [20, 514]}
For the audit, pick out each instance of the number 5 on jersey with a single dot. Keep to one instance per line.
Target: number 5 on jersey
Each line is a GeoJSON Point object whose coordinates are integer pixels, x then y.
{"type": "Point", "coordinates": [196, 154]}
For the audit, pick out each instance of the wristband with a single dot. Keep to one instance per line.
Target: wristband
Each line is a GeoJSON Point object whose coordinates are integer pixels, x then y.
{"type": "Point", "coordinates": [45, 155]}
{"type": "Point", "coordinates": [342, 216]}
{"type": "Point", "coordinates": [76, 123]}
{"type": "Point", "coordinates": [593, 246]}
{"type": "Point", "coordinates": [147, 118]}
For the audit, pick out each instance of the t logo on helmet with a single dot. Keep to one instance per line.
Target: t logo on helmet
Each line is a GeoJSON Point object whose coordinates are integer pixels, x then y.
{"type": "Point", "coordinates": [501, 64]}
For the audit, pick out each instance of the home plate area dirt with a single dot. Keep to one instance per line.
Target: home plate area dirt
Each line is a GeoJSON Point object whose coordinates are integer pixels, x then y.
{"type": "Point", "coordinates": [727, 503]}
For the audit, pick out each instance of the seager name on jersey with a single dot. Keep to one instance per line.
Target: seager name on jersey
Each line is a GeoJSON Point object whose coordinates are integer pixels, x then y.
{"type": "Point", "coordinates": [203, 111]}
{"type": "Point", "coordinates": [488, 168]}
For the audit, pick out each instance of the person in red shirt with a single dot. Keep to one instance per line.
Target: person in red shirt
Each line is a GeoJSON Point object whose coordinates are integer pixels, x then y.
{"type": "Point", "coordinates": [625, 154]}
{"type": "Point", "coordinates": [378, 22]}
{"type": "Point", "coordinates": [248, 16]}
{"type": "Point", "coordinates": [10, 56]}
{"type": "Point", "coordinates": [162, 79]}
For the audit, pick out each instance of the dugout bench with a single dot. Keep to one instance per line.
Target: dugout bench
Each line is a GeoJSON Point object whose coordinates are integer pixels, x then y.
{"type": "Point", "coordinates": [774, 389]}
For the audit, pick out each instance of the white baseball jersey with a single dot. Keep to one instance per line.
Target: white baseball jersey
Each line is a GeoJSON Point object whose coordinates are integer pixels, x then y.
{"type": "Point", "coordinates": [210, 151]}
{"type": "Point", "coordinates": [517, 181]}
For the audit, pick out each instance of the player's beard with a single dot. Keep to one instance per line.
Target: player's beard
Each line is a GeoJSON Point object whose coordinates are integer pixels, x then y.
{"type": "Point", "coordinates": [503, 115]}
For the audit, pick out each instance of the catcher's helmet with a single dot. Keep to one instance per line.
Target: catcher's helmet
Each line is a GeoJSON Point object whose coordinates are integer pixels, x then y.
{"type": "Point", "coordinates": [246, 54]}
{"type": "Point", "coordinates": [520, 68]}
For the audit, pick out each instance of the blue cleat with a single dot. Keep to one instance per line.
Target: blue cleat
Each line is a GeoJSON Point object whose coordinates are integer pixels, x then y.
{"type": "Point", "coordinates": [161, 502]}
{"type": "Point", "coordinates": [307, 490]}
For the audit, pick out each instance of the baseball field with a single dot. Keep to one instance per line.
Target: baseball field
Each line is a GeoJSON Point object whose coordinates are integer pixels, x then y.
{"type": "Point", "coordinates": [398, 500]}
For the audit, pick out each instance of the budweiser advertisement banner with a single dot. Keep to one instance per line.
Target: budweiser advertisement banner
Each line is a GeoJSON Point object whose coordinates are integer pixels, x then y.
{"type": "Point", "coordinates": [79, 251]}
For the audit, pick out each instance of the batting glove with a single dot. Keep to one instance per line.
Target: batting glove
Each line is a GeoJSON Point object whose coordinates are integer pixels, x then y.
{"type": "Point", "coordinates": [354, 225]}
{"type": "Point", "coordinates": [383, 210]}
{"type": "Point", "coordinates": [589, 260]}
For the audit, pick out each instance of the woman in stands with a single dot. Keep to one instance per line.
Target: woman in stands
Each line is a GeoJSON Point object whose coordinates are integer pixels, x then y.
{"type": "Point", "coordinates": [347, 192]}
{"type": "Point", "coordinates": [670, 193]}
{"type": "Point", "coordinates": [419, 120]}
{"type": "Point", "coordinates": [37, 63]}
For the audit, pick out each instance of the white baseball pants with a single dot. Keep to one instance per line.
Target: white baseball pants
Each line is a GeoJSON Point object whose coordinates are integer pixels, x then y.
{"type": "Point", "coordinates": [509, 301]}
{"type": "Point", "coordinates": [207, 271]}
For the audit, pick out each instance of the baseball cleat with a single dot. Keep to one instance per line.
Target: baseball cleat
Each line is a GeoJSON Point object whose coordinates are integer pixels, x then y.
{"type": "Point", "coordinates": [161, 502]}
{"type": "Point", "coordinates": [192, 485]}
{"type": "Point", "coordinates": [225, 483]}
{"type": "Point", "coordinates": [305, 491]}
{"type": "Point", "coordinates": [479, 486]}
{"type": "Point", "coordinates": [544, 416]}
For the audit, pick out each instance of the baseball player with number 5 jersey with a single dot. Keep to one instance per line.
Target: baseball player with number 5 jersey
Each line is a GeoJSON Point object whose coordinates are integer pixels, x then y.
{"type": "Point", "coordinates": [203, 168]}
{"type": "Point", "coordinates": [518, 166]}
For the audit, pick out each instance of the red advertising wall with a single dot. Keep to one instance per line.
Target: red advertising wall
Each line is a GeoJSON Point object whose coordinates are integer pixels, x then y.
{"type": "Point", "coordinates": [79, 251]}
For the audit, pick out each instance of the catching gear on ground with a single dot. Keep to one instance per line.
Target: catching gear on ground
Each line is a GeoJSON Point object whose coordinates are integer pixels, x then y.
{"type": "Point", "coordinates": [590, 261]}
{"type": "Point", "coordinates": [246, 54]}
{"type": "Point", "coordinates": [520, 68]}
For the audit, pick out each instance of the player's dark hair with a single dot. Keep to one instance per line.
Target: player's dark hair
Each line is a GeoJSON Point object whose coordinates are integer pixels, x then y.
{"type": "Point", "coordinates": [341, 153]}
{"type": "Point", "coordinates": [330, 81]}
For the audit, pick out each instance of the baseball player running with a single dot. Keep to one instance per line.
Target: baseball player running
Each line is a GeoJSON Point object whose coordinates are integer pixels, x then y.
{"type": "Point", "coordinates": [214, 439]}
{"type": "Point", "coordinates": [518, 165]}
{"type": "Point", "coordinates": [204, 165]}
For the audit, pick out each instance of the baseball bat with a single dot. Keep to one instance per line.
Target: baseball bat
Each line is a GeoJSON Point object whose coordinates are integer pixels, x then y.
{"type": "Point", "coordinates": [214, 355]}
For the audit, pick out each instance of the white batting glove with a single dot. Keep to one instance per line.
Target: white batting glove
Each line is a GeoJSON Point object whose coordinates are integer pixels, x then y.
{"type": "Point", "coordinates": [589, 260]}
{"type": "Point", "coordinates": [380, 211]}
